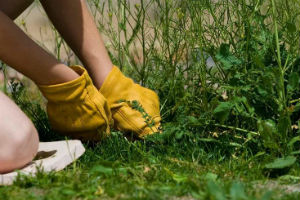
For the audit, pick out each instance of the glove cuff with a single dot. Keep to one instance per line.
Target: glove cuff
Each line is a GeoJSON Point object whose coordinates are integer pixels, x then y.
{"type": "Point", "coordinates": [77, 109]}
{"type": "Point", "coordinates": [71, 91]}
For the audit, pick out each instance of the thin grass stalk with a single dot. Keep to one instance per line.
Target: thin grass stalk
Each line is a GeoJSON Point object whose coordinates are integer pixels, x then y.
{"type": "Point", "coordinates": [281, 89]}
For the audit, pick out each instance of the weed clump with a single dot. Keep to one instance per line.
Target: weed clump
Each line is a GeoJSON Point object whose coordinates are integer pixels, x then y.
{"type": "Point", "coordinates": [228, 76]}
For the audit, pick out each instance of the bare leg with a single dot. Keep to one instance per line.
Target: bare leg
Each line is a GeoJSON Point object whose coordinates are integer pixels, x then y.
{"type": "Point", "coordinates": [21, 53]}
{"type": "Point", "coordinates": [76, 25]}
{"type": "Point", "coordinates": [13, 8]}
{"type": "Point", "coordinates": [18, 137]}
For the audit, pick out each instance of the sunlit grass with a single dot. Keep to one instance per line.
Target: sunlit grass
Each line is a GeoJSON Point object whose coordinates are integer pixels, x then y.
{"type": "Point", "coordinates": [227, 73]}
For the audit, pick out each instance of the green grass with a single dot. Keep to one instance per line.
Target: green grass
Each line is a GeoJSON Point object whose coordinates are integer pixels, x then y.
{"type": "Point", "coordinates": [154, 169]}
{"type": "Point", "coordinates": [231, 130]}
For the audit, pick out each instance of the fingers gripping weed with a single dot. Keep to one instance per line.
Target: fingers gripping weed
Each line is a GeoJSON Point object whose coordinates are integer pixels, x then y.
{"type": "Point", "coordinates": [138, 107]}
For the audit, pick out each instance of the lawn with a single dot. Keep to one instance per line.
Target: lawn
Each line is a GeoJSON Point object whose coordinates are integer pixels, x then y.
{"type": "Point", "coordinates": [164, 168]}
{"type": "Point", "coordinates": [228, 76]}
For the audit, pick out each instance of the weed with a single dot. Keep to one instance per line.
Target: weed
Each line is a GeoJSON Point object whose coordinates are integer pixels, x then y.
{"type": "Point", "coordinates": [227, 74]}
{"type": "Point", "coordinates": [136, 105]}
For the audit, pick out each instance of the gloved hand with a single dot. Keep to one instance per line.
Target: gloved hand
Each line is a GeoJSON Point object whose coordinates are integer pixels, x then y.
{"type": "Point", "coordinates": [77, 109]}
{"type": "Point", "coordinates": [134, 108]}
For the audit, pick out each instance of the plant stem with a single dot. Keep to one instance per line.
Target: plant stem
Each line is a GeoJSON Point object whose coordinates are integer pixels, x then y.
{"type": "Point", "coordinates": [236, 128]}
{"type": "Point", "coordinates": [281, 89]}
{"type": "Point", "coordinates": [229, 127]}
{"type": "Point", "coordinates": [276, 34]}
{"type": "Point", "coordinates": [294, 101]}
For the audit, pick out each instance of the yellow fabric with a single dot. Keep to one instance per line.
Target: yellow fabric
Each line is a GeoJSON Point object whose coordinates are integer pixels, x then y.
{"type": "Point", "coordinates": [77, 109]}
{"type": "Point", "coordinates": [120, 93]}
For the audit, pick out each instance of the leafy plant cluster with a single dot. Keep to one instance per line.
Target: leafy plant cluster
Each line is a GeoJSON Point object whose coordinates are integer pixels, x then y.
{"type": "Point", "coordinates": [227, 74]}
{"type": "Point", "coordinates": [228, 68]}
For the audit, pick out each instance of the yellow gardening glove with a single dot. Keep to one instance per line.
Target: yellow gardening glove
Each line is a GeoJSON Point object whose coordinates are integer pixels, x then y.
{"type": "Point", "coordinates": [134, 108]}
{"type": "Point", "coordinates": [77, 109]}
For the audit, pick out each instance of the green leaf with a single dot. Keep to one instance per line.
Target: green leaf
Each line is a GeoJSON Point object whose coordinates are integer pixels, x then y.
{"type": "Point", "coordinates": [267, 127]}
{"type": "Point", "coordinates": [281, 163]}
{"type": "Point", "coordinates": [261, 153]}
{"type": "Point", "coordinates": [297, 107]}
{"type": "Point", "coordinates": [210, 176]}
{"type": "Point", "coordinates": [284, 125]}
{"type": "Point", "coordinates": [179, 135]}
{"type": "Point", "coordinates": [262, 91]}
{"type": "Point", "coordinates": [291, 27]}
{"type": "Point", "coordinates": [258, 61]}
{"type": "Point", "coordinates": [234, 144]}
{"type": "Point", "coordinates": [295, 152]}
{"type": "Point", "coordinates": [224, 50]}
{"type": "Point", "coordinates": [102, 170]}
{"type": "Point", "coordinates": [215, 191]}
{"type": "Point", "coordinates": [222, 111]}
{"type": "Point", "coordinates": [107, 170]}
{"type": "Point", "coordinates": [267, 195]}
{"type": "Point", "coordinates": [237, 191]}
{"type": "Point", "coordinates": [176, 177]}
{"type": "Point", "coordinates": [268, 132]}
{"type": "Point", "coordinates": [289, 178]}
{"type": "Point", "coordinates": [209, 140]}
{"type": "Point", "coordinates": [179, 178]}
{"type": "Point", "coordinates": [293, 141]}
{"type": "Point", "coordinates": [293, 83]}
{"type": "Point", "coordinates": [192, 120]}
{"type": "Point", "coordinates": [226, 58]}
{"type": "Point", "coordinates": [68, 191]}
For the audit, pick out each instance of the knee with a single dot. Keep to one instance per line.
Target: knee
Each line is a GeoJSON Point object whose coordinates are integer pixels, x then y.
{"type": "Point", "coordinates": [20, 147]}
{"type": "Point", "coordinates": [26, 141]}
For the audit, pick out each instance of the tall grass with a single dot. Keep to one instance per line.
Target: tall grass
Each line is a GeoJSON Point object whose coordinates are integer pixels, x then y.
{"type": "Point", "coordinates": [224, 70]}
{"type": "Point", "coordinates": [227, 74]}
{"type": "Point", "coordinates": [227, 66]}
